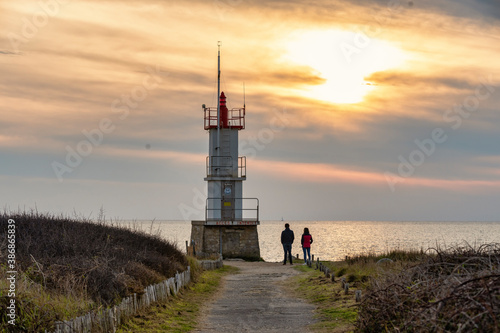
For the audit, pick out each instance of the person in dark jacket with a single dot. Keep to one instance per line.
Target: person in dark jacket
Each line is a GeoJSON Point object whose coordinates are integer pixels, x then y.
{"type": "Point", "coordinates": [306, 242]}
{"type": "Point", "coordinates": [287, 238]}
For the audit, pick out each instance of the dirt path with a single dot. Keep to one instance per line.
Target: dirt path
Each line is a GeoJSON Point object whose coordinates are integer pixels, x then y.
{"type": "Point", "coordinates": [254, 301]}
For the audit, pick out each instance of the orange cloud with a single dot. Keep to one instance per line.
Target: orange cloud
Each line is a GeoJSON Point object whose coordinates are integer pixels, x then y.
{"type": "Point", "coordinates": [328, 173]}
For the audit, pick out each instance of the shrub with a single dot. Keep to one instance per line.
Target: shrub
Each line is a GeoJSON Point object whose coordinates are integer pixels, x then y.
{"type": "Point", "coordinates": [456, 289]}
{"type": "Point", "coordinates": [341, 272]}
{"type": "Point", "coordinates": [82, 260]}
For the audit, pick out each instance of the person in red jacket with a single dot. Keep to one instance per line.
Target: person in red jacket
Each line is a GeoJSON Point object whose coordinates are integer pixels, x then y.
{"type": "Point", "coordinates": [306, 242]}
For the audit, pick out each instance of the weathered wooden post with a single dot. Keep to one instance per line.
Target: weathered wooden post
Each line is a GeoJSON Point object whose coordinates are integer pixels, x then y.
{"type": "Point", "coordinates": [342, 280]}
{"type": "Point", "coordinates": [297, 256]}
{"type": "Point", "coordinates": [333, 276]}
{"type": "Point", "coordinates": [190, 249]}
{"type": "Point", "coordinates": [346, 288]}
{"type": "Point", "coordinates": [358, 296]}
{"type": "Point", "coordinates": [312, 257]}
{"type": "Point", "coordinates": [317, 263]}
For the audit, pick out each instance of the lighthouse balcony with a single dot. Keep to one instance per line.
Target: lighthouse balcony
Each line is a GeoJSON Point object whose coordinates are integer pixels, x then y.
{"type": "Point", "coordinates": [235, 118]}
{"type": "Point", "coordinates": [223, 166]}
{"type": "Point", "coordinates": [232, 211]}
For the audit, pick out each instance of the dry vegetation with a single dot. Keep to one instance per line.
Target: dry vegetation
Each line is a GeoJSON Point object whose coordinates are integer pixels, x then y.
{"type": "Point", "coordinates": [69, 266]}
{"type": "Point", "coordinates": [452, 290]}
{"type": "Point", "coordinates": [455, 289]}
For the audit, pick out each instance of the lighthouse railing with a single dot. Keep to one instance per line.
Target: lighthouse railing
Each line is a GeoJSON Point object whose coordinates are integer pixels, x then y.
{"type": "Point", "coordinates": [236, 118]}
{"type": "Point", "coordinates": [210, 118]}
{"type": "Point", "coordinates": [242, 166]}
{"type": "Point", "coordinates": [222, 166]}
{"type": "Point", "coordinates": [249, 210]}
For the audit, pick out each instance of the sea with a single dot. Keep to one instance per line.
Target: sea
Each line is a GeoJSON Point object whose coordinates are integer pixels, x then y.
{"type": "Point", "coordinates": [334, 240]}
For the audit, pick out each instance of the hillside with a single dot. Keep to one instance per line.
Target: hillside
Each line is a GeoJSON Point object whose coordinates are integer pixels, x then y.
{"type": "Point", "coordinates": [66, 267]}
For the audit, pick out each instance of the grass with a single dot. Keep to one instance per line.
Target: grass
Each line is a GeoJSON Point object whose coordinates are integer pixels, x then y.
{"type": "Point", "coordinates": [38, 307]}
{"type": "Point", "coordinates": [449, 290]}
{"type": "Point", "coordinates": [181, 313]}
{"type": "Point", "coordinates": [69, 266]}
{"type": "Point", "coordinates": [453, 289]}
{"type": "Point", "coordinates": [336, 312]}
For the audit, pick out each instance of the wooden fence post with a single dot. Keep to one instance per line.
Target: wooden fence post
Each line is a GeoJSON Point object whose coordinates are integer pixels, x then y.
{"type": "Point", "coordinates": [358, 296]}
{"type": "Point", "coordinates": [346, 288]}
{"type": "Point", "coordinates": [109, 319]}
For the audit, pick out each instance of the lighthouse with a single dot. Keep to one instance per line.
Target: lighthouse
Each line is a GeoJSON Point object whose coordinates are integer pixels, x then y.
{"type": "Point", "coordinates": [231, 220]}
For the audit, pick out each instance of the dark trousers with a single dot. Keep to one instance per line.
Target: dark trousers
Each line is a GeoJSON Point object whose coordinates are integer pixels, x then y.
{"type": "Point", "coordinates": [287, 248]}
{"type": "Point", "coordinates": [307, 253]}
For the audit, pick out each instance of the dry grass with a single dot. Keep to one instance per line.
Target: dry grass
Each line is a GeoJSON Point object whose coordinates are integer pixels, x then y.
{"type": "Point", "coordinates": [67, 266]}
{"type": "Point", "coordinates": [451, 290]}
{"type": "Point", "coordinates": [182, 313]}
{"type": "Point", "coordinates": [439, 290]}
{"type": "Point", "coordinates": [336, 312]}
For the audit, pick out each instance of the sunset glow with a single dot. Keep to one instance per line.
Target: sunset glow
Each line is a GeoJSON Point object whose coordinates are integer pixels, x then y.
{"type": "Point", "coordinates": [344, 59]}
{"type": "Point", "coordinates": [375, 110]}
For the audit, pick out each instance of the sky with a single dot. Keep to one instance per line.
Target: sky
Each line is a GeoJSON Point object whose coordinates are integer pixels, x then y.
{"type": "Point", "coordinates": [355, 110]}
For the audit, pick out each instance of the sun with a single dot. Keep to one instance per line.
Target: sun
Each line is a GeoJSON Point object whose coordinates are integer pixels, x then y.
{"type": "Point", "coordinates": [344, 59]}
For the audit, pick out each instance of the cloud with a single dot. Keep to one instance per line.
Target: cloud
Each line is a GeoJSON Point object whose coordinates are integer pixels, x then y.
{"type": "Point", "coordinates": [93, 53]}
{"type": "Point", "coordinates": [285, 77]}
{"type": "Point", "coordinates": [333, 174]}
{"type": "Point", "coordinates": [415, 80]}
{"type": "Point", "coordinates": [8, 52]}
{"type": "Point", "coordinates": [477, 9]}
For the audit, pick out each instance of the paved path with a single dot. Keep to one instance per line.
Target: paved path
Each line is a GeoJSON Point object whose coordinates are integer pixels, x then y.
{"type": "Point", "coordinates": [254, 301]}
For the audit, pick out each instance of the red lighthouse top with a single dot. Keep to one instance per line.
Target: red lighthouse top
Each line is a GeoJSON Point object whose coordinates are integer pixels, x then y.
{"type": "Point", "coordinates": [232, 119]}
{"type": "Point", "coordinates": [222, 99]}
{"type": "Point", "coordinates": [224, 122]}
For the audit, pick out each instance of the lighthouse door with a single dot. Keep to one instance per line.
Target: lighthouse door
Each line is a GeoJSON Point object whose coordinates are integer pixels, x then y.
{"type": "Point", "coordinates": [227, 202]}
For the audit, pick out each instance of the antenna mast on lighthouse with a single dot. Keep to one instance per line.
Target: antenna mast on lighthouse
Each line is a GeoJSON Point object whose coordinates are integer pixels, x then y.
{"type": "Point", "coordinates": [219, 43]}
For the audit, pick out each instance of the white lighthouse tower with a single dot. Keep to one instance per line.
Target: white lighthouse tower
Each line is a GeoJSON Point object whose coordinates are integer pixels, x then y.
{"type": "Point", "coordinates": [226, 171]}
{"type": "Point", "coordinates": [230, 225]}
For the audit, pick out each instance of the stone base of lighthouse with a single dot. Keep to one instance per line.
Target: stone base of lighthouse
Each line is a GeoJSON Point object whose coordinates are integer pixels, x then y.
{"type": "Point", "coordinates": [237, 241]}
